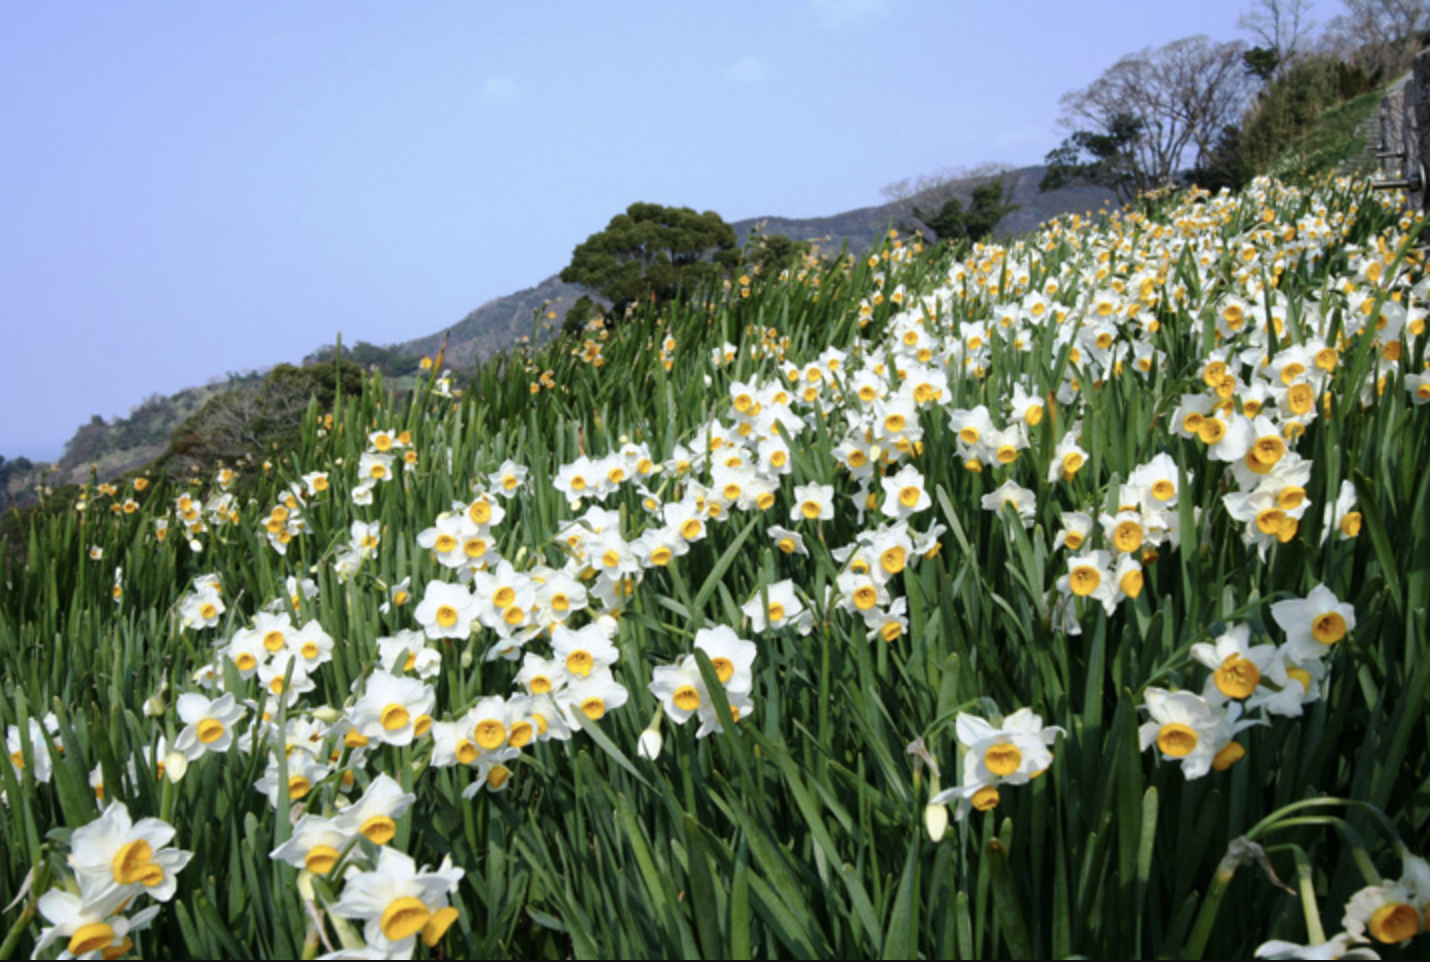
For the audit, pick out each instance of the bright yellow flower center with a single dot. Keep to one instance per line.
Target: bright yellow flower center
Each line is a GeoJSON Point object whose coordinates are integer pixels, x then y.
{"type": "Point", "coordinates": [1177, 740]}
{"type": "Point", "coordinates": [893, 560]}
{"type": "Point", "coordinates": [1350, 524]}
{"type": "Point", "coordinates": [490, 733]}
{"type": "Point", "coordinates": [1084, 581]}
{"type": "Point", "coordinates": [1394, 923]}
{"type": "Point", "coordinates": [320, 859]}
{"type": "Point", "coordinates": [1211, 430]}
{"type": "Point", "coordinates": [1128, 536]}
{"type": "Point", "coordinates": [133, 862]}
{"type": "Point", "coordinates": [379, 830]}
{"type": "Point", "coordinates": [1003, 758]}
{"type": "Point", "coordinates": [1269, 449]}
{"type": "Point", "coordinates": [1329, 628]}
{"type": "Point", "coordinates": [1131, 583]}
{"type": "Point", "coordinates": [442, 919]}
{"type": "Point", "coordinates": [1269, 521]}
{"type": "Point", "coordinates": [394, 717]}
{"type": "Point", "coordinates": [1228, 756]}
{"type": "Point", "coordinates": [580, 662]}
{"type": "Point", "coordinates": [1237, 677]}
{"type": "Point", "coordinates": [724, 669]}
{"type": "Point", "coordinates": [404, 917]}
{"type": "Point", "coordinates": [521, 734]}
{"type": "Point", "coordinates": [986, 798]}
{"type": "Point", "coordinates": [90, 938]}
{"type": "Point", "coordinates": [686, 698]}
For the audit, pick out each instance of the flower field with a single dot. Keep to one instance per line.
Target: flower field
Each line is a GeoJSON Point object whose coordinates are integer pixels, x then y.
{"type": "Point", "coordinates": [1063, 599]}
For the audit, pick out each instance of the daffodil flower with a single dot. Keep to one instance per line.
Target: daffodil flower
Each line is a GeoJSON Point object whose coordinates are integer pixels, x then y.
{"type": "Point", "coordinates": [208, 723]}
{"type": "Point", "coordinates": [133, 855]}
{"type": "Point", "coordinates": [397, 902]}
{"type": "Point", "coordinates": [90, 921]}
{"type": "Point", "coordinates": [1315, 623]}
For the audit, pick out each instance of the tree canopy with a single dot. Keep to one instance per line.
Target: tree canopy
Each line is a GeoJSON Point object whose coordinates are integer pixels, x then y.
{"type": "Point", "coordinates": [988, 204]}
{"type": "Point", "coordinates": [1151, 117]}
{"type": "Point", "coordinates": [652, 252]}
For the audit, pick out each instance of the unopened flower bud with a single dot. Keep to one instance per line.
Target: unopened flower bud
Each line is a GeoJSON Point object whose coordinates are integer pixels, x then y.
{"type": "Point", "coordinates": [176, 764]}
{"type": "Point", "coordinates": [936, 820]}
{"type": "Point", "coordinates": [651, 739]}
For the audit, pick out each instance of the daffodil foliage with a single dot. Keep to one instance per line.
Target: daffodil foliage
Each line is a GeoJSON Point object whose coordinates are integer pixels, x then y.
{"type": "Point", "coordinates": [1023, 605]}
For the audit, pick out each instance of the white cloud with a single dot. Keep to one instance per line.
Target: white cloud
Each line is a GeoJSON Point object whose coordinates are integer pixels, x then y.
{"type": "Point", "coordinates": [838, 13]}
{"type": "Point", "coordinates": [499, 91]}
{"type": "Point", "coordinates": [749, 70]}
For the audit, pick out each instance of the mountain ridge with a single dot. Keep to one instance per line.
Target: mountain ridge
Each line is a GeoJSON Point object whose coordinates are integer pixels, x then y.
{"type": "Point", "coordinates": [502, 321]}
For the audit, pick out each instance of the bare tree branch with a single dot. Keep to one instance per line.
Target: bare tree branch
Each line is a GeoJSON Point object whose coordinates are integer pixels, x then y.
{"type": "Point", "coordinates": [932, 190]}
{"type": "Point", "coordinates": [1380, 36]}
{"type": "Point", "coordinates": [1180, 96]}
{"type": "Point", "coordinates": [1282, 26]}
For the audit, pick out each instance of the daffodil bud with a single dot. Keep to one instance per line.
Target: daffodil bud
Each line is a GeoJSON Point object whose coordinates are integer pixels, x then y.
{"type": "Point", "coordinates": [936, 819]}
{"type": "Point", "coordinates": [176, 765]}
{"type": "Point", "coordinates": [651, 739]}
{"type": "Point", "coordinates": [935, 814]}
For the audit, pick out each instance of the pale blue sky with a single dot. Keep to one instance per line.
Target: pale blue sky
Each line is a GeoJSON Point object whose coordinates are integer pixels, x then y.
{"type": "Point", "coordinates": [196, 188]}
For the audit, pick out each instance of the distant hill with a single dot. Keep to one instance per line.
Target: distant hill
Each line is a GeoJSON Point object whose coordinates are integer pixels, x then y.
{"type": "Point", "coordinates": [503, 321]}
{"type": "Point", "coordinates": [498, 324]}
{"type": "Point", "coordinates": [123, 444]}
{"type": "Point", "coordinates": [862, 228]}
{"type": "Point", "coordinates": [113, 447]}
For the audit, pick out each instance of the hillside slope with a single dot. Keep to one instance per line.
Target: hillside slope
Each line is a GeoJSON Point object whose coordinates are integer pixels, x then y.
{"type": "Point", "coordinates": [502, 321]}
